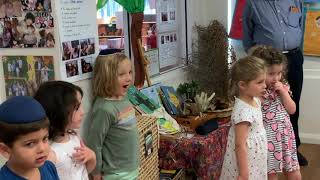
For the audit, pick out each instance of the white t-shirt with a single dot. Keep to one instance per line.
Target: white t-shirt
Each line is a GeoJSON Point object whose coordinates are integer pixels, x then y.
{"type": "Point", "coordinates": [67, 167]}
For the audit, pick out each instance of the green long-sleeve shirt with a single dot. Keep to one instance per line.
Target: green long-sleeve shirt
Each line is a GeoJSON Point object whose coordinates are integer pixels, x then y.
{"type": "Point", "coordinates": [113, 136]}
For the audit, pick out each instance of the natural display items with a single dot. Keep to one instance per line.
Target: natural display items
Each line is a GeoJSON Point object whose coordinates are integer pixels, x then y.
{"type": "Point", "coordinates": [210, 62]}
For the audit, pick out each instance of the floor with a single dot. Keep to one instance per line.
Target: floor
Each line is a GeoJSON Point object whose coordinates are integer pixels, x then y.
{"type": "Point", "coordinates": [312, 153]}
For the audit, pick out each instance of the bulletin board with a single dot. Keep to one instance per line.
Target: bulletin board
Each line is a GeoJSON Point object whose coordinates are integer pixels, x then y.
{"type": "Point", "coordinates": [311, 43]}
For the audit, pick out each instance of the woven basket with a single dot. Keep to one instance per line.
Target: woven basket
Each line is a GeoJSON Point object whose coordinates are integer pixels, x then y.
{"type": "Point", "coordinates": [148, 169]}
{"type": "Point", "coordinates": [181, 175]}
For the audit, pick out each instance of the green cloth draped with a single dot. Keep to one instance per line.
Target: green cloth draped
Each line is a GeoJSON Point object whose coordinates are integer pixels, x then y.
{"type": "Point", "coordinates": [132, 6]}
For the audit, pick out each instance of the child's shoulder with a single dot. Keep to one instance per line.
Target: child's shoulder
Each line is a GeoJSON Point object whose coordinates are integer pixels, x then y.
{"type": "Point", "coordinates": [48, 171]}
{"type": "Point", "coordinates": [6, 173]}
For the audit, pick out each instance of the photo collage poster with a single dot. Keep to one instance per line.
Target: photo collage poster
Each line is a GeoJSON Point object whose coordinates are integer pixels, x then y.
{"type": "Point", "coordinates": [77, 56]}
{"type": "Point", "coordinates": [26, 24]}
{"type": "Point", "coordinates": [167, 11]}
{"type": "Point", "coordinates": [79, 39]}
{"type": "Point", "coordinates": [167, 34]}
{"type": "Point", "coordinates": [168, 52]}
{"type": "Point", "coordinates": [24, 74]}
{"type": "Point", "coordinates": [311, 43]}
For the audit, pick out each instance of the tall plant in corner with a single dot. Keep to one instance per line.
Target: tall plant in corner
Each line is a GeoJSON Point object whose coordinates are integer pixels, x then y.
{"type": "Point", "coordinates": [209, 63]}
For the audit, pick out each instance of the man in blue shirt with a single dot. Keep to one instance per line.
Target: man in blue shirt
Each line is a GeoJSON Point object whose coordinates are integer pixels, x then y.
{"type": "Point", "coordinates": [279, 23]}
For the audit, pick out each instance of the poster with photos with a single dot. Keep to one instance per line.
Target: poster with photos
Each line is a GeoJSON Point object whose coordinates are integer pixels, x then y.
{"type": "Point", "coordinates": [167, 11]}
{"type": "Point", "coordinates": [79, 39]}
{"type": "Point", "coordinates": [24, 74]}
{"type": "Point", "coordinates": [77, 57]}
{"type": "Point", "coordinates": [26, 24]}
{"type": "Point", "coordinates": [168, 49]}
{"type": "Point", "coordinates": [311, 43]}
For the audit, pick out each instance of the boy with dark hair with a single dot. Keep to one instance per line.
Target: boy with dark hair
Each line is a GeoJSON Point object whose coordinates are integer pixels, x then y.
{"type": "Point", "coordinates": [24, 137]}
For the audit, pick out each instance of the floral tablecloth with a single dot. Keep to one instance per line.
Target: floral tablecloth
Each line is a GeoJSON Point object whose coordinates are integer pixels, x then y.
{"type": "Point", "coordinates": [204, 154]}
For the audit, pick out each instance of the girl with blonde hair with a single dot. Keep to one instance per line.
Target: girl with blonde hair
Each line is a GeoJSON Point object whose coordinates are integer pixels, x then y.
{"type": "Point", "coordinates": [112, 130]}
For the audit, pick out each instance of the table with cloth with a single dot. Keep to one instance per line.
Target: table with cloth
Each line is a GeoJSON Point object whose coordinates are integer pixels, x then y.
{"type": "Point", "coordinates": [203, 154]}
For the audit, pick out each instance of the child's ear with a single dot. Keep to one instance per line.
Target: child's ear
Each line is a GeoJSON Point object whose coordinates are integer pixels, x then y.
{"type": "Point", "coordinates": [4, 150]}
{"type": "Point", "coordinates": [241, 84]}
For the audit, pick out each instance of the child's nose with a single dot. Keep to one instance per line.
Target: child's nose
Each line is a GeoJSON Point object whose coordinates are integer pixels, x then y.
{"type": "Point", "coordinates": [42, 147]}
{"type": "Point", "coordinates": [129, 77]}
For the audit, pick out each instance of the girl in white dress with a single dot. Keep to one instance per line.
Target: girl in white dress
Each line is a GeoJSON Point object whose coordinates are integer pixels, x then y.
{"type": "Point", "coordinates": [62, 103]}
{"type": "Point", "coordinates": [246, 153]}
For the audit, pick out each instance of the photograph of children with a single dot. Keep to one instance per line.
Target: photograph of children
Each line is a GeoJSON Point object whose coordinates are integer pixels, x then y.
{"type": "Point", "coordinates": [36, 5]}
{"type": "Point", "coordinates": [72, 68]}
{"type": "Point", "coordinates": [164, 16]}
{"type": "Point", "coordinates": [86, 65]}
{"type": "Point", "coordinates": [75, 49]}
{"type": "Point", "coordinates": [24, 74]}
{"type": "Point", "coordinates": [31, 30]}
{"type": "Point", "coordinates": [66, 50]}
{"type": "Point", "coordinates": [83, 46]}
{"type": "Point", "coordinates": [43, 68]}
{"type": "Point", "coordinates": [46, 38]}
{"type": "Point", "coordinates": [167, 38]}
{"type": "Point", "coordinates": [162, 39]}
{"type": "Point", "coordinates": [15, 66]}
{"type": "Point", "coordinates": [91, 46]}
{"type": "Point", "coordinates": [16, 87]}
{"type": "Point", "coordinates": [10, 8]}
{"type": "Point", "coordinates": [172, 15]}
{"type": "Point", "coordinates": [87, 46]}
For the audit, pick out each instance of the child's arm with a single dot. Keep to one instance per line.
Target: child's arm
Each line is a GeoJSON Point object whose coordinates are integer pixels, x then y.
{"type": "Point", "coordinates": [241, 135]}
{"type": "Point", "coordinates": [288, 103]}
{"type": "Point", "coordinates": [99, 127]}
{"type": "Point", "coordinates": [86, 156]}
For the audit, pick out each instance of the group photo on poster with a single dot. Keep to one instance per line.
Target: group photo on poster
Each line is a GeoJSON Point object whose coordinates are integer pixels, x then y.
{"type": "Point", "coordinates": [24, 74]}
{"type": "Point", "coordinates": [26, 24]}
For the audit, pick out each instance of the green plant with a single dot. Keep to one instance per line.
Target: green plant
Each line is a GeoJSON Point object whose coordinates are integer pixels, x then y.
{"type": "Point", "coordinates": [188, 90]}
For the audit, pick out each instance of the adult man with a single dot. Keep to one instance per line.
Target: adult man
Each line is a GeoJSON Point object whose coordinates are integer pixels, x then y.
{"type": "Point", "coordinates": [279, 23]}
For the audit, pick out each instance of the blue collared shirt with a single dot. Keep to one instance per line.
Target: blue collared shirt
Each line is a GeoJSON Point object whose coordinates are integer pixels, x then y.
{"type": "Point", "coordinates": [277, 23]}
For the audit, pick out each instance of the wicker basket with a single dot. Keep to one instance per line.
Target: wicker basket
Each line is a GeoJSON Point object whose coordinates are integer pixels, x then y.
{"type": "Point", "coordinates": [148, 169]}
{"type": "Point", "coordinates": [181, 175]}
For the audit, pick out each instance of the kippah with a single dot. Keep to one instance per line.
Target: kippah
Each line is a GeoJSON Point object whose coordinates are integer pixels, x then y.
{"type": "Point", "coordinates": [21, 110]}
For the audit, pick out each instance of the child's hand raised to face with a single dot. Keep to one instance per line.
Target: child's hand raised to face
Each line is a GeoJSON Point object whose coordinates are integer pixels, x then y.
{"type": "Point", "coordinates": [280, 87]}
{"type": "Point", "coordinates": [83, 154]}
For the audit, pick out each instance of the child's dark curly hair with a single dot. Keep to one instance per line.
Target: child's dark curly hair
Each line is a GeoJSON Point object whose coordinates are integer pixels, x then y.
{"type": "Point", "coordinates": [270, 55]}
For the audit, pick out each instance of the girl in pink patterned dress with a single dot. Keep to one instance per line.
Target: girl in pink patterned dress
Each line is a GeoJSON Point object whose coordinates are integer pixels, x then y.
{"type": "Point", "coordinates": [276, 107]}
